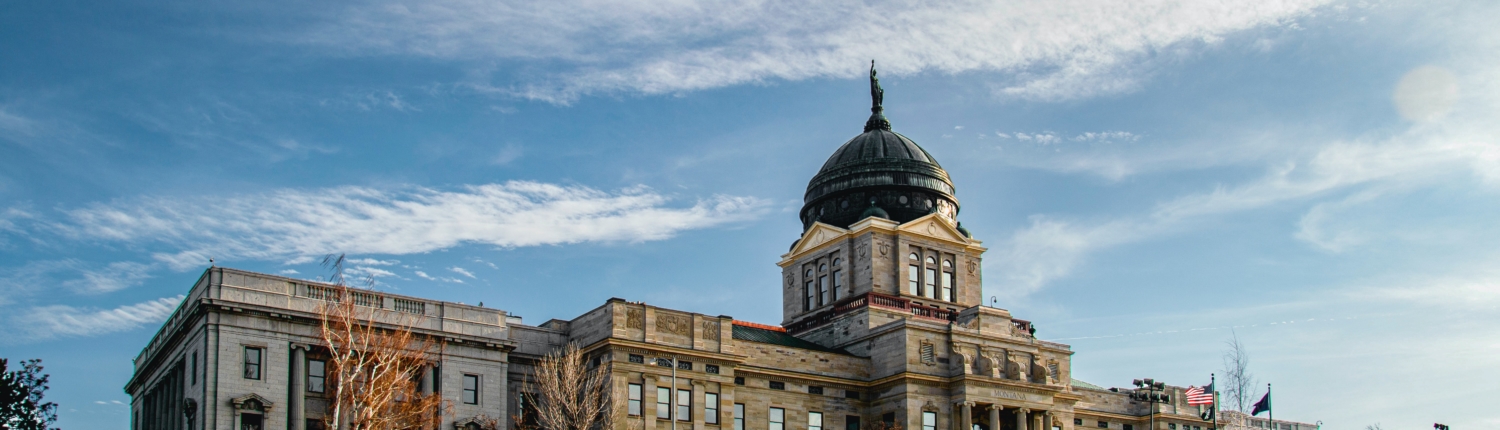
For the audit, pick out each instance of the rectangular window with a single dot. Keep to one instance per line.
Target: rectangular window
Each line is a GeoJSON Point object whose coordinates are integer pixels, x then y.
{"type": "Point", "coordinates": [948, 286]}
{"type": "Point", "coordinates": [739, 380]}
{"type": "Point", "coordinates": [851, 422]}
{"type": "Point", "coordinates": [823, 290]}
{"type": "Point", "coordinates": [1173, 426]}
{"type": "Point", "coordinates": [931, 283]}
{"type": "Point", "coordinates": [812, 389]}
{"type": "Point", "coordinates": [814, 421]}
{"type": "Point", "coordinates": [929, 420]}
{"type": "Point", "coordinates": [635, 399]}
{"type": "Point", "coordinates": [684, 405]}
{"type": "Point", "coordinates": [1104, 424]}
{"type": "Point", "coordinates": [838, 283]}
{"type": "Point", "coordinates": [662, 362]}
{"type": "Point", "coordinates": [1078, 421]}
{"type": "Point", "coordinates": [252, 362]}
{"type": "Point", "coordinates": [810, 292]}
{"type": "Point", "coordinates": [778, 419]}
{"type": "Point", "coordinates": [663, 403]}
{"type": "Point", "coordinates": [471, 389]}
{"type": "Point", "coordinates": [711, 408]}
{"type": "Point", "coordinates": [711, 368]}
{"type": "Point", "coordinates": [851, 394]}
{"type": "Point", "coordinates": [913, 285]}
{"type": "Point", "coordinates": [1129, 427]}
{"type": "Point", "coordinates": [778, 385]}
{"type": "Point", "coordinates": [684, 365]}
{"type": "Point", "coordinates": [635, 358]}
{"type": "Point", "coordinates": [317, 373]}
{"type": "Point", "coordinates": [194, 373]}
{"type": "Point", "coordinates": [739, 416]}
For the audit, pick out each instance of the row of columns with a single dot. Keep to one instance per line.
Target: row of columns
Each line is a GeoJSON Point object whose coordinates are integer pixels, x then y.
{"type": "Point", "coordinates": [1024, 419]}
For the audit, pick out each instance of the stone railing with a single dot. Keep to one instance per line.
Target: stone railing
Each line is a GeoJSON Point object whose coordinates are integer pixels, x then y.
{"type": "Point", "coordinates": [874, 300]}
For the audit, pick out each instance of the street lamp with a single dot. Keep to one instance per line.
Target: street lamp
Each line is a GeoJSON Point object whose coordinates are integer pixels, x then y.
{"type": "Point", "coordinates": [671, 393]}
{"type": "Point", "coordinates": [1151, 391]}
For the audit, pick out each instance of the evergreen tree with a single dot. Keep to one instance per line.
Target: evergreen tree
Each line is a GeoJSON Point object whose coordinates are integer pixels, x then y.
{"type": "Point", "coordinates": [21, 406]}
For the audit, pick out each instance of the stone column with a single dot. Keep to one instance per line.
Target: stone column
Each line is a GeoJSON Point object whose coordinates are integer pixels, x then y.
{"type": "Point", "coordinates": [298, 388]}
{"type": "Point", "coordinates": [995, 416]}
{"type": "Point", "coordinates": [698, 399]}
{"type": "Point", "coordinates": [1021, 418]}
{"type": "Point", "coordinates": [424, 382]}
{"type": "Point", "coordinates": [648, 400]}
{"type": "Point", "coordinates": [967, 419]}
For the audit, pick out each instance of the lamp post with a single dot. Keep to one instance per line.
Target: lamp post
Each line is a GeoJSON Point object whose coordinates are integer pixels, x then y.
{"type": "Point", "coordinates": [672, 392]}
{"type": "Point", "coordinates": [1150, 391]}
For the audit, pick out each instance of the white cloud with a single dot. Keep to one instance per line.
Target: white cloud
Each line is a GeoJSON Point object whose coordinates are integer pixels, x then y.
{"type": "Point", "coordinates": [461, 271]}
{"type": "Point", "coordinates": [372, 262]}
{"type": "Point", "coordinates": [112, 277]}
{"type": "Point", "coordinates": [363, 272]}
{"type": "Point", "coordinates": [46, 322]}
{"type": "Point", "coordinates": [298, 225]}
{"type": "Point", "coordinates": [289, 272]}
{"type": "Point", "coordinates": [1055, 49]}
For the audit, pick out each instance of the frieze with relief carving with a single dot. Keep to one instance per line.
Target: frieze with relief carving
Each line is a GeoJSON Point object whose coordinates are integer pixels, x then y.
{"type": "Point", "coordinates": [635, 318]}
{"type": "Point", "coordinates": [710, 330]}
{"type": "Point", "coordinates": [675, 324]}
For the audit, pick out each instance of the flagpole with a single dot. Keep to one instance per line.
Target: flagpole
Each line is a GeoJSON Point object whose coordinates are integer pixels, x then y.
{"type": "Point", "coordinates": [1215, 407]}
{"type": "Point", "coordinates": [1270, 407]}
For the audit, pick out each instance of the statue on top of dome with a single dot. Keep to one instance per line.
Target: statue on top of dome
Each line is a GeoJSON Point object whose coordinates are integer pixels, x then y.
{"type": "Point", "coordinates": [877, 95]}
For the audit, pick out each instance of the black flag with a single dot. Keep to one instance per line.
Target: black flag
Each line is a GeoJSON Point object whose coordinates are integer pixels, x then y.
{"type": "Point", "coordinates": [1264, 405]}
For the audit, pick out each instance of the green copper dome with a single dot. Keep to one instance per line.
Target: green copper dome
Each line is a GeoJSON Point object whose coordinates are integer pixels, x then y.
{"type": "Point", "coordinates": [879, 166]}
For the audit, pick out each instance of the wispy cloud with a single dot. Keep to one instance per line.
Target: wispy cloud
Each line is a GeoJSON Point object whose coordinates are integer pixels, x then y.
{"type": "Point", "coordinates": [294, 225]}
{"type": "Point", "coordinates": [1054, 50]}
{"type": "Point", "coordinates": [77, 276]}
{"type": "Point", "coordinates": [461, 271]}
{"type": "Point", "coordinates": [46, 322]}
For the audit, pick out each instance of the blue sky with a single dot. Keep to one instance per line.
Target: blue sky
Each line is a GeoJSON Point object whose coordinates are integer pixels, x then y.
{"type": "Point", "coordinates": [1319, 177]}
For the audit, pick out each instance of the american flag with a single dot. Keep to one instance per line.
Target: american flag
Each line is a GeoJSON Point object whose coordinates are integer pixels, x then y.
{"type": "Point", "coordinates": [1200, 396]}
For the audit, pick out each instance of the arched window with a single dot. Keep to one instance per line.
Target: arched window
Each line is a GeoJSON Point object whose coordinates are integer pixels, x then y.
{"type": "Point", "coordinates": [838, 279]}
{"type": "Point", "coordinates": [947, 264]}
{"type": "Point", "coordinates": [914, 257]}
{"type": "Point", "coordinates": [823, 268]}
{"type": "Point", "coordinates": [931, 260]}
{"type": "Point", "coordinates": [947, 285]}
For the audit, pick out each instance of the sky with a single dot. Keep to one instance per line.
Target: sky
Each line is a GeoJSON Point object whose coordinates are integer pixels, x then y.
{"type": "Point", "coordinates": [1316, 178]}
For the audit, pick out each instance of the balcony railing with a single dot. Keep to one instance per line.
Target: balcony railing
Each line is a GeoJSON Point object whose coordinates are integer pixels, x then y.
{"type": "Point", "coordinates": [875, 300]}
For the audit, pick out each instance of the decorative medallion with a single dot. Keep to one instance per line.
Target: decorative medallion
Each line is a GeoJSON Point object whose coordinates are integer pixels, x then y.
{"type": "Point", "coordinates": [864, 250]}
{"type": "Point", "coordinates": [932, 228]}
{"type": "Point", "coordinates": [634, 318]}
{"type": "Point", "coordinates": [675, 324]}
{"type": "Point", "coordinates": [973, 266]}
{"type": "Point", "coordinates": [885, 248]}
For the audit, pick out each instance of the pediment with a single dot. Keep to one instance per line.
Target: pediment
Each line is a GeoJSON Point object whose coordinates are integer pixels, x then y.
{"type": "Point", "coordinates": [251, 402]}
{"type": "Point", "coordinates": [934, 226]}
{"type": "Point", "coordinates": [816, 236]}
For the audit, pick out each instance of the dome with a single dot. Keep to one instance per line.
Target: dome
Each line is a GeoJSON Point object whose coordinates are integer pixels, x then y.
{"type": "Point", "coordinates": [880, 167]}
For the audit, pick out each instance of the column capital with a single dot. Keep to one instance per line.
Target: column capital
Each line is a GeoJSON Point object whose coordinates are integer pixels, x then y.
{"type": "Point", "coordinates": [969, 404]}
{"type": "Point", "coordinates": [996, 407]}
{"type": "Point", "coordinates": [1025, 410]}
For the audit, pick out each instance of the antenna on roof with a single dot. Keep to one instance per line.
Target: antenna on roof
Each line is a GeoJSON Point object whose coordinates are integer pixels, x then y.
{"type": "Point", "coordinates": [211, 262]}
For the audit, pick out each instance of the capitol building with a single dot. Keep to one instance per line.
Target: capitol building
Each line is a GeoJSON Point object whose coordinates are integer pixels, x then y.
{"type": "Point", "coordinates": [883, 322]}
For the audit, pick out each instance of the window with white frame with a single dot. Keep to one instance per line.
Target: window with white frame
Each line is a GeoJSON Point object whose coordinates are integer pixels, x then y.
{"type": "Point", "coordinates": [739, 416]}
{"type": "Point", "coordinates": [807, 290]}
{"type": "Point", "coordinates": [814, 421]}
{"type": "Point", "coordinates": [914, 275]}
{"type": "Point", "coordinates": [777, 419]}
{"type": "Point", "coordinates": [252, 362]}
{"type": "Point", "coordinates": [684, 405]}
{"type": "Point", "coordinates": [929, 420]}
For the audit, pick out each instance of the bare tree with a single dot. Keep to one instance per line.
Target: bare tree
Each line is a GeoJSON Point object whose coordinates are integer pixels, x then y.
{"type": "Point", "coordinates": [1375, 426]}
{"type": "Point", "coordinates": [566, 394]}
{"type": "Point", "coordinates": [1239, 384]}
{"type": "Point", "coordinates": [374, 367]}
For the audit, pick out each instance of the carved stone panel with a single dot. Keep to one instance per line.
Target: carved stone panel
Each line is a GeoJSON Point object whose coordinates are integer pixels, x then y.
{"type": "Point", "coordinates": [710, 330]}
{"type": "Point", "coordinates": [634, 318]}
{"type": "Point", "coordinates": [675, 324]}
